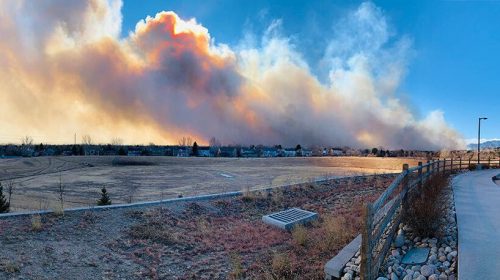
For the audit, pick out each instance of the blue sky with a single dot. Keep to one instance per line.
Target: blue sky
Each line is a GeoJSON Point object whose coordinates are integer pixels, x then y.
{"type": "Point", "coordinates": [454, 66]}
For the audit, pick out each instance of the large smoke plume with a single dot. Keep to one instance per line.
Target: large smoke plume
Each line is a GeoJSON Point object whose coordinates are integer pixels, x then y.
{"type": "Point", "coordinates": [65, 69]}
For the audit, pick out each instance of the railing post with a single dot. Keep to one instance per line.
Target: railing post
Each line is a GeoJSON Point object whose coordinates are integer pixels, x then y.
{"type": "Point", "coordinates": [438, 164]}
{"type": "Point", "coordinates": [420, 179]}
{"type": "Point", "coordinates": [444, 166]}
{"type": "Point", "coordinates": [428, 169]}
{"type": "Point", "coordinates": [469, 163]}
{"type": "Point", "coordinates": [366, 250]}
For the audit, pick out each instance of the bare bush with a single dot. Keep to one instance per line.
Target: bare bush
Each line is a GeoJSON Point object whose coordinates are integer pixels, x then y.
{"type": "Point", "coordinates": [421, 209]}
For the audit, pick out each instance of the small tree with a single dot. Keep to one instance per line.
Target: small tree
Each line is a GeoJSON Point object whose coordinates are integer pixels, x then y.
{"type": "Point", "coordinates": [4, 205]}
{"type": "Point", "coordinates": [10, 189]}
{"type": "Point", "coordinates": [195, 149]}
{"type": "Point", "coordinates": [104, 198]}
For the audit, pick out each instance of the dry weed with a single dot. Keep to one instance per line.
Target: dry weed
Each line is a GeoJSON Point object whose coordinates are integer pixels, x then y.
{"type": "Point", "coordinates": [36, 222]}
{"type": "Point", "coordinates": [299, 235]}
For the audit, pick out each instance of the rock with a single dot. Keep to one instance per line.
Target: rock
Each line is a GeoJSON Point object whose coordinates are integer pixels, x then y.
{"type": "Point", "coordinates": [358, 260]}
{"type": "Point", "coordinates": [427, 270]}
{"type": "Point", "coordinates": [433, 277]}
{"type": "Point", "coordinates": [447, 250]}
{"type": "Point", "coordinates": [442, 258]}
{"type": "Point", "coordinates": [382, 278]}
{"type": "Point", "coordinates": [416, 275]}
{"type": "Point", "coordinates": [432, 259]}
{"type": "Point", "coordinates": [399, 241]}
{"type": "Point", "coordinates": [446, 264]}
{"type": "Point", "coordinates": [443, 276]}
{"type": "Point", "coordinates": [416, 268]}
{"type": "Point", "coordinates": [420, 277]}
{"type": "Point", "coordinates": [347, 276]}
{"type": "Point", "coordinates": [394, 276]}
{"type": "Point", "coordinates": [408, 277]}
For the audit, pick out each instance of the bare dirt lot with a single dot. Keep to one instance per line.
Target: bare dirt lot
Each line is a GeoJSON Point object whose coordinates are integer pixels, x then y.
{"type": "Point", "coordinates": [211, 239]}
{"type": "Point", "coordinates": [133, 179]}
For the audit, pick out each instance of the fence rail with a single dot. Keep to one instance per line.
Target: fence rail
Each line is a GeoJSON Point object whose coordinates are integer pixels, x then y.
{"type": "Point", "coordinates": [382, 218]}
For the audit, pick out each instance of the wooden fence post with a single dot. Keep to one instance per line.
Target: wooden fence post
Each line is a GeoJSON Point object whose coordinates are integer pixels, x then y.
{"type": "Point", "coordinates": [366, 250]}
{"type": "Point", "coordinates": [469, 163]}
{"type": "Point", "coordinates": [451, 165]}
{"type": "Point", "coordinates": [428, 169]}
{"type": "Point", "coordinates": [420, 178]}
{"type": "Point", "coordinates": [438, 165]}
{"type": "Point", "coordinates": [444, 166]}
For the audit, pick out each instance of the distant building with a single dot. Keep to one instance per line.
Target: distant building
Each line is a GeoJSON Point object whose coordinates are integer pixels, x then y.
{"type": "Point", "coordinates": [183, 152]}
{"type": "Point", "coordinates": [249, 152]}
{"type": "Point", "coordinates": [307, 153]}
{"type": "Point", "coordinates": [133, 153]}
{"type": "Point", "coordinates": [227, 152]}
{"type": "Point", "coordinates": [270, 152]}
{"type": "Point", "coordinates": [204, 152]}
{"type": "Point", "coordinates": [337, 152]}
{"type": "Point", "coordinates": [289, 153]}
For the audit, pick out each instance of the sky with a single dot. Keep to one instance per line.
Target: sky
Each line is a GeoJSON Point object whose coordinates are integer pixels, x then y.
{"type": "Point", "coordinates": [393, 74]}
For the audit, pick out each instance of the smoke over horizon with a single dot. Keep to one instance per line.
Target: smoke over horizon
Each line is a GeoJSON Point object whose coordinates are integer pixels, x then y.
{"type": "Point", "coordinates": [65, 69]}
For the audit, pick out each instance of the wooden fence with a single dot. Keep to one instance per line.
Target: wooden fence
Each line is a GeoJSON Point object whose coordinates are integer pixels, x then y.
{"type": "Point", "coordinates": [382, 218]}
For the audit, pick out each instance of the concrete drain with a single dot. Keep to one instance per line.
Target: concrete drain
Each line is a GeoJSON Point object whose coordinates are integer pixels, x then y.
{"type": "Point", "coordinates": [289, 218]}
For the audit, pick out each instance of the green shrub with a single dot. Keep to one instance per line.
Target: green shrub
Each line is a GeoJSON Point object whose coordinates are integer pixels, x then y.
{"type": "Point", "coordinates": [104, 198]}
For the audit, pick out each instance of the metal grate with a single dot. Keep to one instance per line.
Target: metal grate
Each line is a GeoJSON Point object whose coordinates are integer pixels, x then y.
{"type": "Point", "coordinates": [289, 218]}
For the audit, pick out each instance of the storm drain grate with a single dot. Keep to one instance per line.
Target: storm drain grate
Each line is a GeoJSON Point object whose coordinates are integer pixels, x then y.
{"type": "Point", "coordinates": [289, 218]}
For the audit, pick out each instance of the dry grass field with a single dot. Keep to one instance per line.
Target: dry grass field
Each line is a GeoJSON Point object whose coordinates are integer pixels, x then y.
{"type": "Point", "coordinates": [133, 179]}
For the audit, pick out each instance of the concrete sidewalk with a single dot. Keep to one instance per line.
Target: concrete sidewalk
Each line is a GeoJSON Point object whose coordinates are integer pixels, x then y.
{"type": "Point", "coordinates": [477, 204]}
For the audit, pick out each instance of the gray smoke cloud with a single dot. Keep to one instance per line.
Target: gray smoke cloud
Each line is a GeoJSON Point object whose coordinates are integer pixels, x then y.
{"type": "Point", "coordinates": [65, 69]}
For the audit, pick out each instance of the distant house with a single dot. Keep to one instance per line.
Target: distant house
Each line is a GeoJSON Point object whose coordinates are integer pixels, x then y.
{"type": "Point", "coordinates": [307, 153]}
{"type": "Point", "coordinates": [337, 152]}
{"type": "Point", "coordinates": [249, 152]}
{"type": "Point", "coordinates": [204, 152]}
{"type": "Point", "coordinates": [289, 153]}
{"type": "Point", "coordinates": [227, 152]}
{"type": "Point", "coordinates": [133, 153]}
{"type": "Point", "coordinates": [270, 152]}
{"type": "Point", "coordinates": [183, 152]}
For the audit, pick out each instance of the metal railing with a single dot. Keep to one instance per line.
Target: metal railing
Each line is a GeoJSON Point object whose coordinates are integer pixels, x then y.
{"type": "Point", "coordinates": [382, 218]}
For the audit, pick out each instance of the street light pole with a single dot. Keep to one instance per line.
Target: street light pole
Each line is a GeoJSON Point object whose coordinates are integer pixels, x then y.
{"type": "Point", "coordinates": [479, 140]}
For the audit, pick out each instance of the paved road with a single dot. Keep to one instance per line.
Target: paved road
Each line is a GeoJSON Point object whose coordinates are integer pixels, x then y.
{"type": "Point", "coordinates": [477, 203]}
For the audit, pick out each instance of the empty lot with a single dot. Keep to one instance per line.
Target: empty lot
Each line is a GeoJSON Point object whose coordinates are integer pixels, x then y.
{"type": "Point", "coordinates": [133, 179]}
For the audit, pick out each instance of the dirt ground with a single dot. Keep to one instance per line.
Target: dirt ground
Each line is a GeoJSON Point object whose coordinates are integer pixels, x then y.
{"type": "Point", "coordinates": [211, 239]}
{"type": "Point", "coordinates": [133, 179]}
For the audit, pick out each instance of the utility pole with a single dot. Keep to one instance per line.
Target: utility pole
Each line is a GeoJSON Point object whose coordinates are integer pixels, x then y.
{"type": "Point", "coordinates": [479, 140]}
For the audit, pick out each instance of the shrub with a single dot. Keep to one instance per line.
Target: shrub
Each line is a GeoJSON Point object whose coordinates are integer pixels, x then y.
{"type": "Point", "coordinates": [337, 231]}
{"type": "Point", "coordinates": [36, 222]}
{"type": "Point", "coordinates": [248, 195]}
{"type": "Point", "coordinates": [281, 267]}
{"type": "Point", "coordinates": [237, 268]}
{"type": "Point", "coordinates": [421, 209]}
{"type": "Point", "coordinates": [104, 200]}
{"type": "Point", "coordinates": [299, 235]}
{"type": "Point", "coordinates": [4, 204]}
